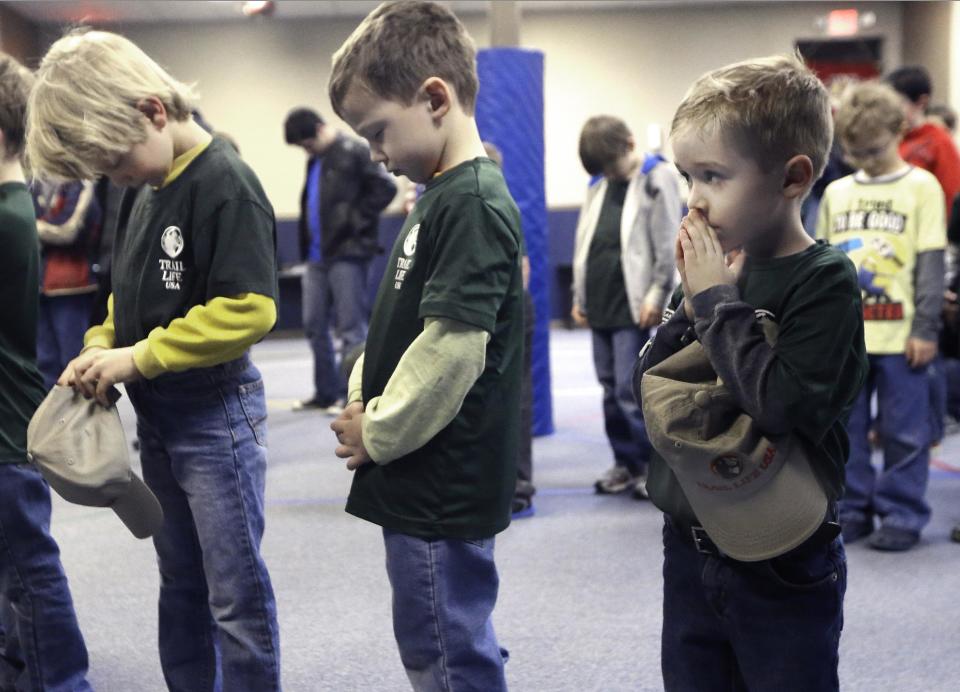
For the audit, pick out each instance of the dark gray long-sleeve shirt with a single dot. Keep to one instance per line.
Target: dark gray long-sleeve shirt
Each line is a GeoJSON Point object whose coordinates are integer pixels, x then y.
{"type": "Point", "coordinates": [804, 384]}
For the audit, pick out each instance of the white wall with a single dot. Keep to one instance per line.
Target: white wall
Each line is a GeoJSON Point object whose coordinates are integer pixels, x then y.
{"type": "Point", "coordinates": [635, 63]}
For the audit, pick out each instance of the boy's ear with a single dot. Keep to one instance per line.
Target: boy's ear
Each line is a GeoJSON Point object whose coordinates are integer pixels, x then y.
{"type": "Point", "coordinates": [438, 95]}
{"type": "Point", "coordinates": [154, 110]}
{"type": "Point", "coordinates": [798, 176]}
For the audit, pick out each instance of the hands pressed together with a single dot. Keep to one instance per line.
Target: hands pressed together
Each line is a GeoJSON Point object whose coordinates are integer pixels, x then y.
{"type": "Point", "coordinates": [701, 260]}
{"type": "Point", "coordinates": [349, 430]}
{"type": "Point", "coordinates": [96, 370]}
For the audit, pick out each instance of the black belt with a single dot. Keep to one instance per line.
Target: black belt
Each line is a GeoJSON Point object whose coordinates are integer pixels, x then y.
{"type": "Point", "coordinates": [697, 537]}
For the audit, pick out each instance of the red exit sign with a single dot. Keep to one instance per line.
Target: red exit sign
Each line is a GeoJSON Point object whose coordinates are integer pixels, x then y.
{"type": "Point", "coordinates": [843, 22]}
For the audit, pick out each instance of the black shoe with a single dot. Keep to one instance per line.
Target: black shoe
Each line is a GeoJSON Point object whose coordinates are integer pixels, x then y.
{"type": "Point", "coordinates": [894, 540]}
{"type": "Point", "coordinates": [616, 480]}
{"type": "Point", "coordinates": [333, 408]}
{"type": "Point", "coordinates": [955, 534]}
{"type": "Point", "coordinates": [522, 508]}
{"type": "Point", "coordinates": [855, 529]}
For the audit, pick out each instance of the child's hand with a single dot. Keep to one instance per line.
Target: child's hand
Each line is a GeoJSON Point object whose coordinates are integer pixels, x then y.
{"type": "Point", "coordinates": [920, 352]}
{"type": "Point", "coordinates": [96, 371]}
{"type": "Point", "coordinates": [649, 316]}
{"type": "Point", "coordinates": [704, 262]}
{"type": "Point", "coordinates": [578, 317]}
{"type": "Point", "coordinates": [681, 268]}
{"type": "Point", "coordinates": [70, 377]}
{"type": "Point", "coordinates": [349, 430]}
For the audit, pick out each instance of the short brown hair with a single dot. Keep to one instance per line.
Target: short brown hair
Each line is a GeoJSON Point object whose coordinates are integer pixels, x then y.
{"type": "Point", "coordinates": [867, 110]}
{"type": "Point", "coordinates": [400, 45]}
{"type": "Point", "coordinates": [773, 108]}
{"type": "Point", "coordinates": [15, 84]}
{"type": "Point", "coordinates": [603, 140]}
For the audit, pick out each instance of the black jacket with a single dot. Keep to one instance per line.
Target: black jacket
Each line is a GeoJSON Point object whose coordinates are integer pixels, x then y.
{"type": "Point", "coordinates": [353, 192]}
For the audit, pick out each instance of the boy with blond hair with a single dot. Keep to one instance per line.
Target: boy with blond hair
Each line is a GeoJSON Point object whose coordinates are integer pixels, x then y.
{"type": "Point", "coordinates": [194, 286]}
{"type": "Point", "coordinates": [41, 647]}
{"type": "Point", "coordinates": [432, 424]}
{"type": "Point", "coordinates": [889, 219]}
{"type": "Point", "coordinates": [750, 139]}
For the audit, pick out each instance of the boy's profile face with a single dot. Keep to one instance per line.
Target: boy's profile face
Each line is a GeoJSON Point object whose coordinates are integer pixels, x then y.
{"type": "Point", "coordinates": [738, 198]}
{"type": "Point", "coordinates": [147, 162]}
{"type": "Point", "coordinates": [406, 139]}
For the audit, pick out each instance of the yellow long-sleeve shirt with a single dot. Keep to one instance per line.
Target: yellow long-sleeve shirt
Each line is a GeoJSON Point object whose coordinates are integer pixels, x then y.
{"type": "Point", "coordinates": [218, 331]}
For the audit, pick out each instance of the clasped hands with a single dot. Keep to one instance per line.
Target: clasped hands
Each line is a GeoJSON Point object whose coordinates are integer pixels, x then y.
{"type": "Point", "coordinates": [701, 260]}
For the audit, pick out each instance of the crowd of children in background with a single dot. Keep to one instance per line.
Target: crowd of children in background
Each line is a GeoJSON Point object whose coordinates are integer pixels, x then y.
{"type": "Point", "coordinates": [860, 277]}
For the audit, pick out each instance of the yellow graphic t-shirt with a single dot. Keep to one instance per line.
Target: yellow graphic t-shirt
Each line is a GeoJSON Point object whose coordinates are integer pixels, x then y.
{"type": "Point", "coordinates": [882, 224]}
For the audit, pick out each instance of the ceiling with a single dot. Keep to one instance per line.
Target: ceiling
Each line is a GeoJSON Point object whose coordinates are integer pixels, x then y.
{"type": "Point", "coordinates": [55, 12]}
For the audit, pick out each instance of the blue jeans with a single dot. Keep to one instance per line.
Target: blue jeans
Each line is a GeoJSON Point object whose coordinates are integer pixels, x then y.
{"type": "Point", "coordinates": [341, 286]}
{"type": "Point", "coordinates": [444, 592]}
{"type": "Point", "coordinates": [41, 647]}
{"type": "Point", "coordinates": [951, 384]}
{"type": "Point", "coordinates": [615, 354]}
{"type": "Point", "coordinates": [731, 626]}
{"type": "Point", "coordinates": [203, 449]}
{"type": "Point", "coordinates": [937, 375]}
{"type": "Point", "coordinates": [62, 322]}
{"type": "Point", "coordinates": [897, 493]}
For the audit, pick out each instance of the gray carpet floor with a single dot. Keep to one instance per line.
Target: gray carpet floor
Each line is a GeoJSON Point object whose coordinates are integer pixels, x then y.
{"type": "Point", "coordinates": [580, 596]}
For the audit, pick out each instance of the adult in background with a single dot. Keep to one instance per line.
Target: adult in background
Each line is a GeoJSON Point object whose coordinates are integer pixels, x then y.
{"type": "Point", "coordinates": [340, 207]}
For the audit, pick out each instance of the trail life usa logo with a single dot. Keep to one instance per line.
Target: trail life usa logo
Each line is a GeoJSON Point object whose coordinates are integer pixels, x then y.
{"type": "Point", "coordinates": [171, 270]}
{"type": "Point", "coordinates": [406, 262]}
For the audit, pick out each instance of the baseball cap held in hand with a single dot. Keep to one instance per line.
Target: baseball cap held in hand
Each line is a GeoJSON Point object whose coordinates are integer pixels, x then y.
{"type": "Point", "coordinates": [755, 495]}
{"type": "Point", "coordinates": [80, 449]}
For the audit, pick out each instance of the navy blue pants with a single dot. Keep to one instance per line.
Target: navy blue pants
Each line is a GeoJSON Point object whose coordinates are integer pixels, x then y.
{"type": "Point", "coordinates": [615, 354]}
{"type": "Point", "coordinates": [731, 626]}
{"type": "Point", "coordinates": [897, 493]}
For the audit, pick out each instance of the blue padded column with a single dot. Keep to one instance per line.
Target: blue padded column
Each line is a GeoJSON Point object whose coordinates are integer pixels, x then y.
{"type": "Point", "coordinates": [510, 115]}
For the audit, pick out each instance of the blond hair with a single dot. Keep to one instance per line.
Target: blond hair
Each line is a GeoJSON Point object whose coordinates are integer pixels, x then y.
{"type": "Point", "coordinates": [82, 114]}
{"type": "Point", "coordinates": [867, 110]}
{"type": "Point", "coordinates": [400, 45]}
{"type": "Point", "coordinates": [15, 83]}
{"type": "Point", "coordinates": [772, 108]}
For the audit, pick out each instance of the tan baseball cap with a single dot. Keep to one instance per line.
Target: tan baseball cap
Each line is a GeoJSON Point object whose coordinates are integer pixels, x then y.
{"type": "Point", "coordinates": [80, 449]}
{"type": "Point", "coordinates": [755, 495]}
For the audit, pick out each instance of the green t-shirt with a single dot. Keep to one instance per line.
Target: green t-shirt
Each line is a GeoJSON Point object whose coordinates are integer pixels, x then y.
{"type": "Point", "coordinates": [21, 387]}
{"type": "Point", "coordinates": [819, 363]}
{"type": "Point", "coordinates": [210, 233]}
{"type": "Point", "coordinates": [458, 256]}
{"type": "Point", "coordinates": [607, 304]}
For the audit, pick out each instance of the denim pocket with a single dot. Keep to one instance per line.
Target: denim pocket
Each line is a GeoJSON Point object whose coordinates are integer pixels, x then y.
{"type": "Point", "coordinates": [807, 572]}
{"type": "Point", "coordinates": [254, 405]}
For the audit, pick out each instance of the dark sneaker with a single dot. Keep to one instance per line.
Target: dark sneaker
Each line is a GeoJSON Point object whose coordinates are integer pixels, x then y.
{"type": "Point", "coordinates": [894, 540]}
{"type": "Point", "coordinates": [640, 489]}
{"type": "Point", "coordinates": [955, 534]}
{"type": "Point", "coordinates": [522, 508]}
{"type": "Point", "coordinates": [616, 480]}
{"type": "Point", "coordinates": [333, 408]}
{"type": "Point", "coordinates": [855, 529]}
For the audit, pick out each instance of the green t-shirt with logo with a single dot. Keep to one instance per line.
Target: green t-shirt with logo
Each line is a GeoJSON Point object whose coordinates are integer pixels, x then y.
{"type": "Point", "coordinates": [210, 233]}
{"type": "Point", "coordinates": [458, 256]}
{"type": "Point", "coordinates": [607, 304]}
{"type": "Point", "coordinates": [21, 386]}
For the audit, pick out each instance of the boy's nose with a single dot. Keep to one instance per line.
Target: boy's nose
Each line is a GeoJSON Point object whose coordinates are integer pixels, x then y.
{"type": "Point", "coordinates": [377, 156]}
